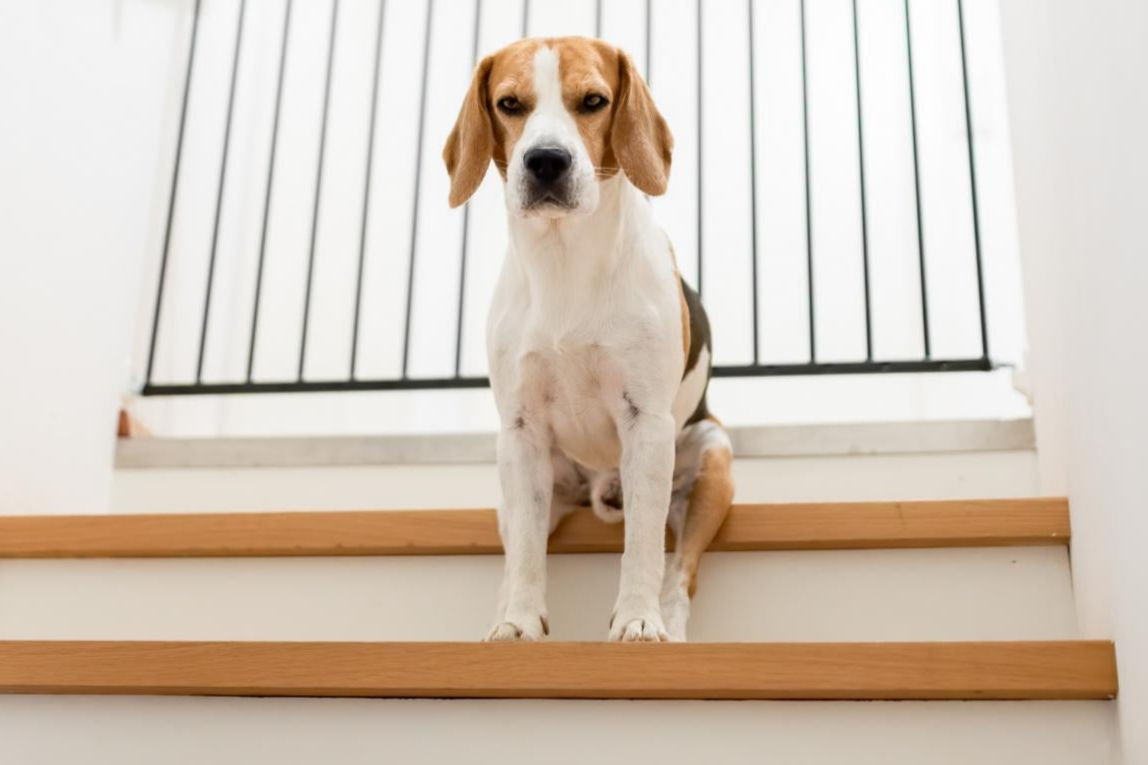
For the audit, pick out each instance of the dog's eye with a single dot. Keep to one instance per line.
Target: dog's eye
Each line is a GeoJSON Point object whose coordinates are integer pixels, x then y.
{"type": "Point", "coordinates": [593, 102]}
{"type": "Point", "coordinates": [510, 105]}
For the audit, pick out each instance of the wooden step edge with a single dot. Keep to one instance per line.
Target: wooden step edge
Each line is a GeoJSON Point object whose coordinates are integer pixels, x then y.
{"type": "Point", "coordinates": [871, 525]}
{"type": "Point", "coordinates": [812, 671]}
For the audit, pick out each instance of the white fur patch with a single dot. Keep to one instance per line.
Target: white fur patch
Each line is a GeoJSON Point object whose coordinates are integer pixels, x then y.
{"type": "Point", "coordinates": [547, 82]}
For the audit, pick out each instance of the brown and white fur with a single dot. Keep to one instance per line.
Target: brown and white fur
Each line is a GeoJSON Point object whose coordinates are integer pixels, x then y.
{"type": "Point", "coordinates": [599, 353]}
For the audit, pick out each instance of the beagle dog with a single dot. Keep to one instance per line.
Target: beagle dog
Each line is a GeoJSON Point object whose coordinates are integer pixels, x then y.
{"type": "Point", "coordinates": [599, 352]}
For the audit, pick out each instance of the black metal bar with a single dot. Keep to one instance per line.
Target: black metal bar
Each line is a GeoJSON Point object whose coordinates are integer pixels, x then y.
{"type": "Point", "coordinates": [330, 386]}
{"type": "Point", "coordinates": [973, 182]}
{"type": "Point", "coordinates": [318, 187]}
{"type": "Point", "coordinates": [753, 182]}
{"type": "Point", "coordinates": [753, 177]}
{"type": "Point", "coordinates": [855, 368]}
{"type": "Point", "coordinates": [418, 185]}
{"type": "Point", "coordinates": [917, 186]}
{"type": "Point", "coordinates": [466, 221]}
{"type": "Point", "coordinates": [649, 43]}
{"type": "Point", "coordinates": [219, 193]}
{"type": "Point", "coordinates": [864, 206]}
{"type": "Point", "coordinates": [267, 192]}
{"type": "Point", "coordinates": [701, 165]}
{"type": "Point", "coordinates": [808, 194]}
{"type": "Point", "coordinates": [453, 383]}
{"type": "Point", "coordinates": [367, 186]}
{"type": "Point", "coordinates": [597, 18]}
{"type": "Point", "coordinates": [172, 197]}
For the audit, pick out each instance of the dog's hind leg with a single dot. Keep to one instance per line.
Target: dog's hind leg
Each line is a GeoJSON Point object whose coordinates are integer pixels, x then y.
{"type": "Point", "coordinates": [703, 494]}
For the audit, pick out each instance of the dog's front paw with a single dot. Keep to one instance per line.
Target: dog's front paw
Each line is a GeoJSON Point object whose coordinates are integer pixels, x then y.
{"type": "Point", "coordinates": [525, 629]}
{"type": "Point", "coordinates": [638, 628]}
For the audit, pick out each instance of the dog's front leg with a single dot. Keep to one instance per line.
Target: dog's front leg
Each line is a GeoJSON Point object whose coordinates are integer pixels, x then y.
{"type": "Point", "coordinates": [647, 473]}
{"type": "Point", "coordinates": [526, 474]}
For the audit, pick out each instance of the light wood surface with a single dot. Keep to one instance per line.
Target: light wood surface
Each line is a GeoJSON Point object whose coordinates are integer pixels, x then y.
{"type": "Point", "coordinates": [960, 523]}
{"type": "Point", "coordinates": [1021, 670]}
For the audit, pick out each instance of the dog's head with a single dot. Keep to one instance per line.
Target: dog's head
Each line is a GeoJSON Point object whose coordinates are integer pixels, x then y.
{"type": "Point", "coordinates": [557, 116]}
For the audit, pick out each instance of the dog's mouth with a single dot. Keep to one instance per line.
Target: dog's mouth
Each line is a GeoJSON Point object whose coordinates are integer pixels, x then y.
{"type": "Point", "coordinates": [548, 201]}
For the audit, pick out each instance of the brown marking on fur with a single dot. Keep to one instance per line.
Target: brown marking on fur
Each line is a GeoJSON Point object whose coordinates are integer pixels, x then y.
{"type": "Point", "coordinates": [628, 135]}
{"type": "Point", "coordinates": [511, 76]}
{"type": "Point", "coordinates": [710, 501]}
{"type": "Point", "coordinates": [470, 145]}
{"type": "Point", "coordinates": [483, 132]}
{"type": "Point", "coordinates": [640, 137]}
{"type": "Point", "coordinates": [591, 67]}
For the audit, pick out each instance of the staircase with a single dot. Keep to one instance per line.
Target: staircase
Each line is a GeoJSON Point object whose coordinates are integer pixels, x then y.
{"type": "Point", "coordinates": [925, 602]}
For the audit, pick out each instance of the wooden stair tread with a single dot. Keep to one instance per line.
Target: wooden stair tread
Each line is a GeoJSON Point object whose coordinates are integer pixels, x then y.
{"type": "Point", "coordinates": [852, 671]}
{"type": "Point", "coordinates": [814, 526]}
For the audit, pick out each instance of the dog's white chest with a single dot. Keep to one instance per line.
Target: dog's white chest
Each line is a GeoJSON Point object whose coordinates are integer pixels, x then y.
{"type": "Point", "coordinates": [587, 314]}
{"type": "Point", "coordinates": [578, 392]}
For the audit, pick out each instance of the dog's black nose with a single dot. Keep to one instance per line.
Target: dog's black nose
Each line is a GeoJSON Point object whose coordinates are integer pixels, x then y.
{"type": "Point", "coordinates": [548, 165]}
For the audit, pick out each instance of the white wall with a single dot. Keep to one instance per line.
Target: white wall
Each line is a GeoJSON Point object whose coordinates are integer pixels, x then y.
{"type": "Point", "coordinates": [86, 86]}
{"type": "Point", "coordinates": [1079, 112]}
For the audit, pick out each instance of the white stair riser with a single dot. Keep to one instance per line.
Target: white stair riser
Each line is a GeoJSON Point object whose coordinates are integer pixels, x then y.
{"type": "Point", "coordinates": [799, 479]}
{"type": "Point", "coordinates": [949, 594]}
{"type": "Point", "coordinates": [192, 731]}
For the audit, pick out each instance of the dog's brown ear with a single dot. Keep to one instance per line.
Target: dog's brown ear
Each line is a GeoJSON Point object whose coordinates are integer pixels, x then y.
{"type": "Point", "coordinates": [641, 139]}
{"type": "Point", "coordinates": [470, 146]}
